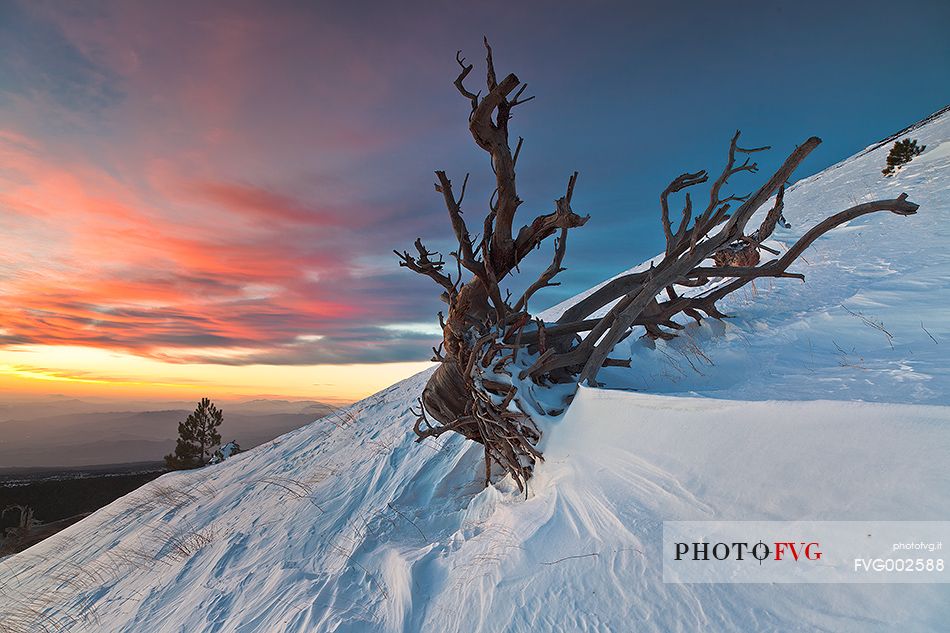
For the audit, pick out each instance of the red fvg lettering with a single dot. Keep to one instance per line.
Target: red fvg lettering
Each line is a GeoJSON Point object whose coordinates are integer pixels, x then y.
{"type": "Point", "coordinates": [797, 549]}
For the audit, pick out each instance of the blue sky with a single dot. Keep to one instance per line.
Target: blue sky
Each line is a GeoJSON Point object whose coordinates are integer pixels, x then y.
{"type": "Point", "coordinates": [222, 184]}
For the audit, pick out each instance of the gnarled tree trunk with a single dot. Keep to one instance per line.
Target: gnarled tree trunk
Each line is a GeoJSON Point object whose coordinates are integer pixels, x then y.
{"type": "Point", "coordinates": [498, 364]}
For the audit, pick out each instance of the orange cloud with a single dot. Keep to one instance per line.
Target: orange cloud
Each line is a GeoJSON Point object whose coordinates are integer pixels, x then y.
{"type": "Point", "coordinates": [92, 260]}
{"type": "Point", "coordinates": [182, 185]}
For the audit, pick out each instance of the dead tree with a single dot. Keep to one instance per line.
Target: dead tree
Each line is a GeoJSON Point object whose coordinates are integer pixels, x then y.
{"type": "Point", "coordinates": [496, 359]}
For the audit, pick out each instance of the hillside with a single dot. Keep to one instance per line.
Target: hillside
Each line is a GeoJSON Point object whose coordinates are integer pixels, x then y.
{"type": "Point", "coordinates": [348, 525]}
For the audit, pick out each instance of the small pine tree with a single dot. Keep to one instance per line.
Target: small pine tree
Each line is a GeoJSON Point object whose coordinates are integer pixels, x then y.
{"type": "Point", "coordinates": [198, 437]}
{"type": "Point", "coordinates": [902, 153]}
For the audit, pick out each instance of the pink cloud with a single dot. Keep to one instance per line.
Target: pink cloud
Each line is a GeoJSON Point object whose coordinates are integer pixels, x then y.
{"type": "Point", "coordinates": [90, 260]}
{"type": "Point", "coordinates": [195, 179]}
{"type": "Point", "coordinates": [259, 203]}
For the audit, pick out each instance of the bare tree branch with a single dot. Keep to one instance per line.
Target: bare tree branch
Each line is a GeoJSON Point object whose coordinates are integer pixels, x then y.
{"type": "Point", "coordinates": [424, 265]}
{"type": "Point", "coordinates": [477, 389]}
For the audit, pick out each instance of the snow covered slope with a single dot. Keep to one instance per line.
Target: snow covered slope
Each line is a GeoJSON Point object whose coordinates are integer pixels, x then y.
{"type": "Point", "coordinates": [348, 525]}
{"type": "Point", "coordinates": [865, 323]}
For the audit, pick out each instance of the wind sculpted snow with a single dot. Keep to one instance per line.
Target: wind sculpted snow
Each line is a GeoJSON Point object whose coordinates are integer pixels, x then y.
{"type": "Point", "coordinates": [348, 525]}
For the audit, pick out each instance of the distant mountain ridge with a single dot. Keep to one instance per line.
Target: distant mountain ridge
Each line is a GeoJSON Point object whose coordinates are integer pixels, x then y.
{"type": "Point", "coordinates": [102, 437]}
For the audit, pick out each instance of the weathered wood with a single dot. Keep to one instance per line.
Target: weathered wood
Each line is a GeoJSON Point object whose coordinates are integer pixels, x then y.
{"type": "Point", "coordinates": [490, 343]}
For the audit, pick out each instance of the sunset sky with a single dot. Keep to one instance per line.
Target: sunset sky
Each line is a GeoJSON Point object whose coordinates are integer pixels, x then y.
{"type": "Point", "coordinates": [202, 198]}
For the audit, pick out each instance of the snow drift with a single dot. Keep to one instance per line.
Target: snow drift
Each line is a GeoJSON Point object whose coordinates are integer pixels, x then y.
{"type": "Point", "coordinates": [828, 400]}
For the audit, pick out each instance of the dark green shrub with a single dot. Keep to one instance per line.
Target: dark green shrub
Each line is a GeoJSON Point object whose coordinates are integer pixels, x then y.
{"type": "Point", "coordinates": [902, 153]}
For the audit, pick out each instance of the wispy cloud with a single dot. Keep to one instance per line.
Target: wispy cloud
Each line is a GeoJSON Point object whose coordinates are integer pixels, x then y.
{"type": "Point", "coordinates": [222, 182]}
{"type": "Point", "coordinates": [211, 218]}
{"type": "Point", "coordinates": [58, 375]}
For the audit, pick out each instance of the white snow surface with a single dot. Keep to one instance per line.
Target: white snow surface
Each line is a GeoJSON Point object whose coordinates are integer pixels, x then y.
{"type": "Point", "coordinates": [796, 410]}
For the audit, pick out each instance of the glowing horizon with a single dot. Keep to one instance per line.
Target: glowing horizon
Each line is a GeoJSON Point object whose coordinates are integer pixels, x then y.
{"type": "Point", "coordinates": [204, 198]}
{"type": "Point", "coordinates": [77, 372]}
